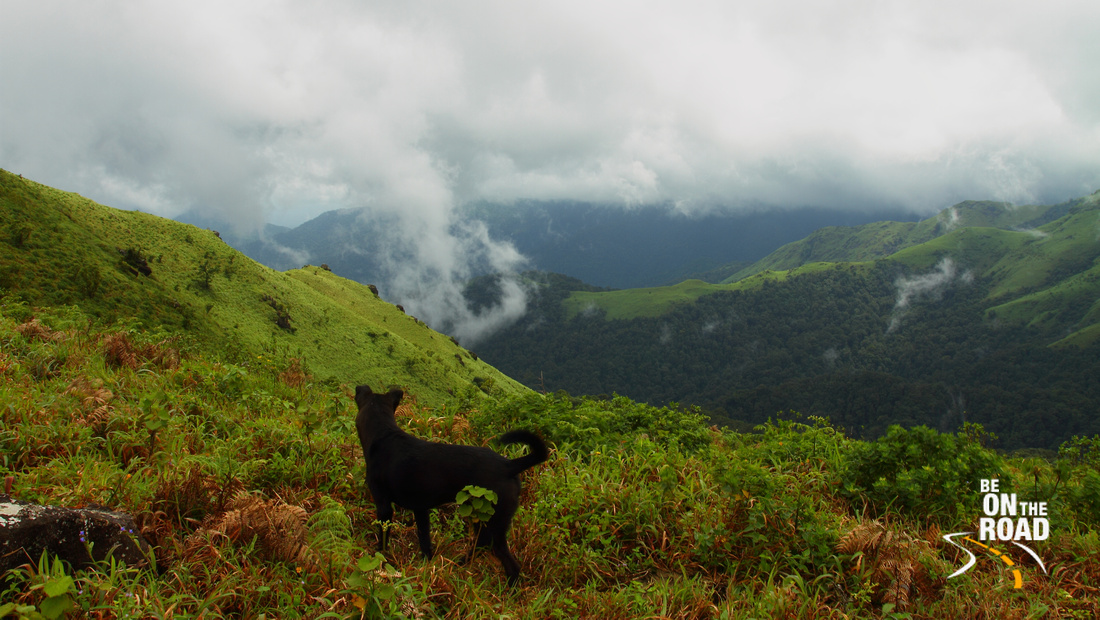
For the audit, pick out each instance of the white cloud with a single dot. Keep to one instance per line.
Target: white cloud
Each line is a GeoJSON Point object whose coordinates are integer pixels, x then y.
{"type": "Point", "coordinates": [278, 111]}
{"type": "Point", "coordinates": [281, 110]}
{"type": "Point", "coordinates": [931, 285]}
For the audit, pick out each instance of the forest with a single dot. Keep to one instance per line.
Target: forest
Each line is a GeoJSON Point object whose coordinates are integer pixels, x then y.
{"type": "Point", "coordinates": [829, 342]}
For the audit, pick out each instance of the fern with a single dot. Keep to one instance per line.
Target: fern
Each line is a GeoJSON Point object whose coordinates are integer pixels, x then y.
{"type": "Point", "coordinates": [331, 536]}
{"type": "Point", "coordinates": [891, 557]}
{"type": "Point", "coordinates": [278, 528]}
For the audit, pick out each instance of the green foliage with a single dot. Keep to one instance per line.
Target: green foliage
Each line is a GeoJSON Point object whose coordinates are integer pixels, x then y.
{"type": "Point", "coordinates": [88, 278]}
{"type": "Point", "coordinates": [476, 503]}
{"type": "Point", "coordinates": [819, 342]}
{"type": "Point", "coordinates": [918, 472]}
{"type": "Point", "coordinates": [1085, 499]}
{"type": "Point", "coordinates": [587, 424]}
{"type": "Point", "coordinates": [20, 234]}
{"type": "Point", "coordinates": [640, 510]}
{"type": "Point", "coordinates": [1082, 451]}
{"type": "Point", "coordinates": [376, 596]}
{"type": "Point", "coordinates": [51, 587]}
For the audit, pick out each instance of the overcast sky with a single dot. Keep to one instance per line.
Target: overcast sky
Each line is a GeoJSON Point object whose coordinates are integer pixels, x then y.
{"type": "Point", "coordinates": [277, 111]}
{"type": "Point", "coordinates": [267, 111]}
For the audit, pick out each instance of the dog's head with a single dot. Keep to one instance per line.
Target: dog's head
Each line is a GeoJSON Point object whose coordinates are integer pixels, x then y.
{"type": "Point", "coordinates": [369, 402]}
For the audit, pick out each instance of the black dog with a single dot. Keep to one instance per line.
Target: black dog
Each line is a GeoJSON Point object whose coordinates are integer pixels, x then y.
{"type": "Point", "coordinates": [420, 475]}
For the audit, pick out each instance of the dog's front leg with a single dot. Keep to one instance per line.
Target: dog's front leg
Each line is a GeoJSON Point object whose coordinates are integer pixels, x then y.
{"type": "Point", "coordinates": [385, 517]}
{"type": "Point", "coordinates": [424, 531]}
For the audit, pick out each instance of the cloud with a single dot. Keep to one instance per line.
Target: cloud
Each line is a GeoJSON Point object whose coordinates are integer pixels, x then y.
{"type": "Point", "coordinates": [931, 286]}
{"type": "Point", "coordinates": [274, 112]}
{"type": "Point", "coordinates": [278, 111]}
{"type": "Point", "coordinates": [426, 267]}
{"type": "Point", "coordinates": [665, 335]}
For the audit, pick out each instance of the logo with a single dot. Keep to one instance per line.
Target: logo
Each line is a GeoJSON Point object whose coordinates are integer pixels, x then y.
{"type": "Point", "coordinates": [1006, 520]}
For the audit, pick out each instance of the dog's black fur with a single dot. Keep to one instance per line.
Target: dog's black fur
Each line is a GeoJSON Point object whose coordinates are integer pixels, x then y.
{"type": "Point", "coordinates": [420, 475]}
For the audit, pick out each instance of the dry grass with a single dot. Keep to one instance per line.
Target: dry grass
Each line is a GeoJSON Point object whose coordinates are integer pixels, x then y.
{"type": "Point", "coordinates": [120, 351]}
{"type": "Point", "coordinates": [892, 560]}
{"type": "Point", "coordinates": [278, 529]}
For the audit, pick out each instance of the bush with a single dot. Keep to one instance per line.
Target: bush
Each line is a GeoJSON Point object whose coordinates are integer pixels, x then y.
{"type": "Point", "coordinates": [587, 424]}
{"type": "Point", "coordinates": [918, 472]}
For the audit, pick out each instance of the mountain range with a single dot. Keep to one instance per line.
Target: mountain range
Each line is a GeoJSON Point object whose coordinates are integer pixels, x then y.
{"type": "Point", "coordinates": [985, 312]}
{"type": "Point", "coordinates": [602, 245]}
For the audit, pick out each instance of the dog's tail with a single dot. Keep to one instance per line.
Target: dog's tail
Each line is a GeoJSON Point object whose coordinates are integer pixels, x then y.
{"type": "Point", "coordinates": [538, 453]}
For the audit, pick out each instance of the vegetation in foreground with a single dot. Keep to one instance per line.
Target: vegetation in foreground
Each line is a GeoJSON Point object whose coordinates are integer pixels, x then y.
{"type": "Point", "coordinates": [640, 511]}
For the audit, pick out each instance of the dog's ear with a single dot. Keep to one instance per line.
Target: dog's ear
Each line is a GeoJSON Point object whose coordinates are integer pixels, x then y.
{"type": "Point", "coordinates": [395, 397]}
{"type": "Point", "coordinates": [362, 395]}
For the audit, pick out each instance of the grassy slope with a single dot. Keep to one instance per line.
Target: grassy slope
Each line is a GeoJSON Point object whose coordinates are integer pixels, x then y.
{"type": "Point", "coordinates": [60, 248]}
{"type": "Point", "coordinates": [1040, 276]}
{"type": "Point", "coordinates": [639, 512]}
{"type": "Point", "coordinates": [882, 239]}
{"type": "Point", "coordinates": [655, 301]}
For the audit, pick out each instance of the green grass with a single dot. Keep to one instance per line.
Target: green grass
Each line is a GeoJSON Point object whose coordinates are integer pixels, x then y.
{"type": "Point", "coordinates": [639, 512]}
{"type": "Point", "coordinates": [838, 244]}
{"type": "Point", "coordinates": [879, 240]}
{"type": "Point", "coordinates": [60, 248]}
{"type": "Point", "coordinates": [655, 301]}
{"type": "Point", "coordinates": [643, 302]}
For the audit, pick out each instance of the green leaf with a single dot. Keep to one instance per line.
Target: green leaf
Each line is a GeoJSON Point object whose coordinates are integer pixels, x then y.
{"type": "Point", "coordinates": [385, 591]}
{"type": "Point", "coordinates": [56, 606]}
{"type": "Point", "coordinates": [369, 563]}
{"type": "Point", "coordinates": [58, 585]}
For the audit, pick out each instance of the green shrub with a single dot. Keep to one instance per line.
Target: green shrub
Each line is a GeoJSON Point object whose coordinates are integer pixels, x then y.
{"type": "Point", "coordinates": [588, 424]}
{"type": "Point", "coordinates": [918, 472]}
{"type": "Point", "coordinates": [1085, 499]}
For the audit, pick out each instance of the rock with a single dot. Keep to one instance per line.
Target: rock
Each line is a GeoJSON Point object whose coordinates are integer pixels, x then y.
{"type": "Point", "coordinates": [26, 530]}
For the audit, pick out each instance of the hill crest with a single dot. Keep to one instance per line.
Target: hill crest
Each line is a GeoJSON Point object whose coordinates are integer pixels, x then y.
{"type": "Point", "coordinates": [60, 248]}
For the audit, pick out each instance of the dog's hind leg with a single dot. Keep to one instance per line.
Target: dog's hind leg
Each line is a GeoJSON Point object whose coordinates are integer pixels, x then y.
{"type": "Point", "coordinates": [507, 560]}
{"type": "Point", "coordinates": [498, 526]}
{"type": "Point", "coordinates": [424, 531]}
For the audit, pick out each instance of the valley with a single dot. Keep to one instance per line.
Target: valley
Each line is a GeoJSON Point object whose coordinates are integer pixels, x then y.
{"type": "Point", "coordinates": [150, 368]}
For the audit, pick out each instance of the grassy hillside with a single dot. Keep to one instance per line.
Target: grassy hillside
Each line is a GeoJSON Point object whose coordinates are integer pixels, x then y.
{"type": "Point", "coordinates": [1047, 277]}
{"type": "Point", "coordinates": [639, 512]}
{"type": "Point", "coordinates": [659, 300]}
{"type": "Point", "coordinates": [59, 248]}
{"type": "Point", "coordinates": [881, 239]}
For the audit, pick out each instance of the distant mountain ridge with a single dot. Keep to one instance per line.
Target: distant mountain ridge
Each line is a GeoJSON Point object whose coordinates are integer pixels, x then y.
{"type": "Point", "coordinates": [984, 312]}
{"type": "Point", "coordinates": [1029, 253]}
{"type": "Point", "coordinates": [881, 239]}
{"type": "Point", "coordinates": [599, 244]}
